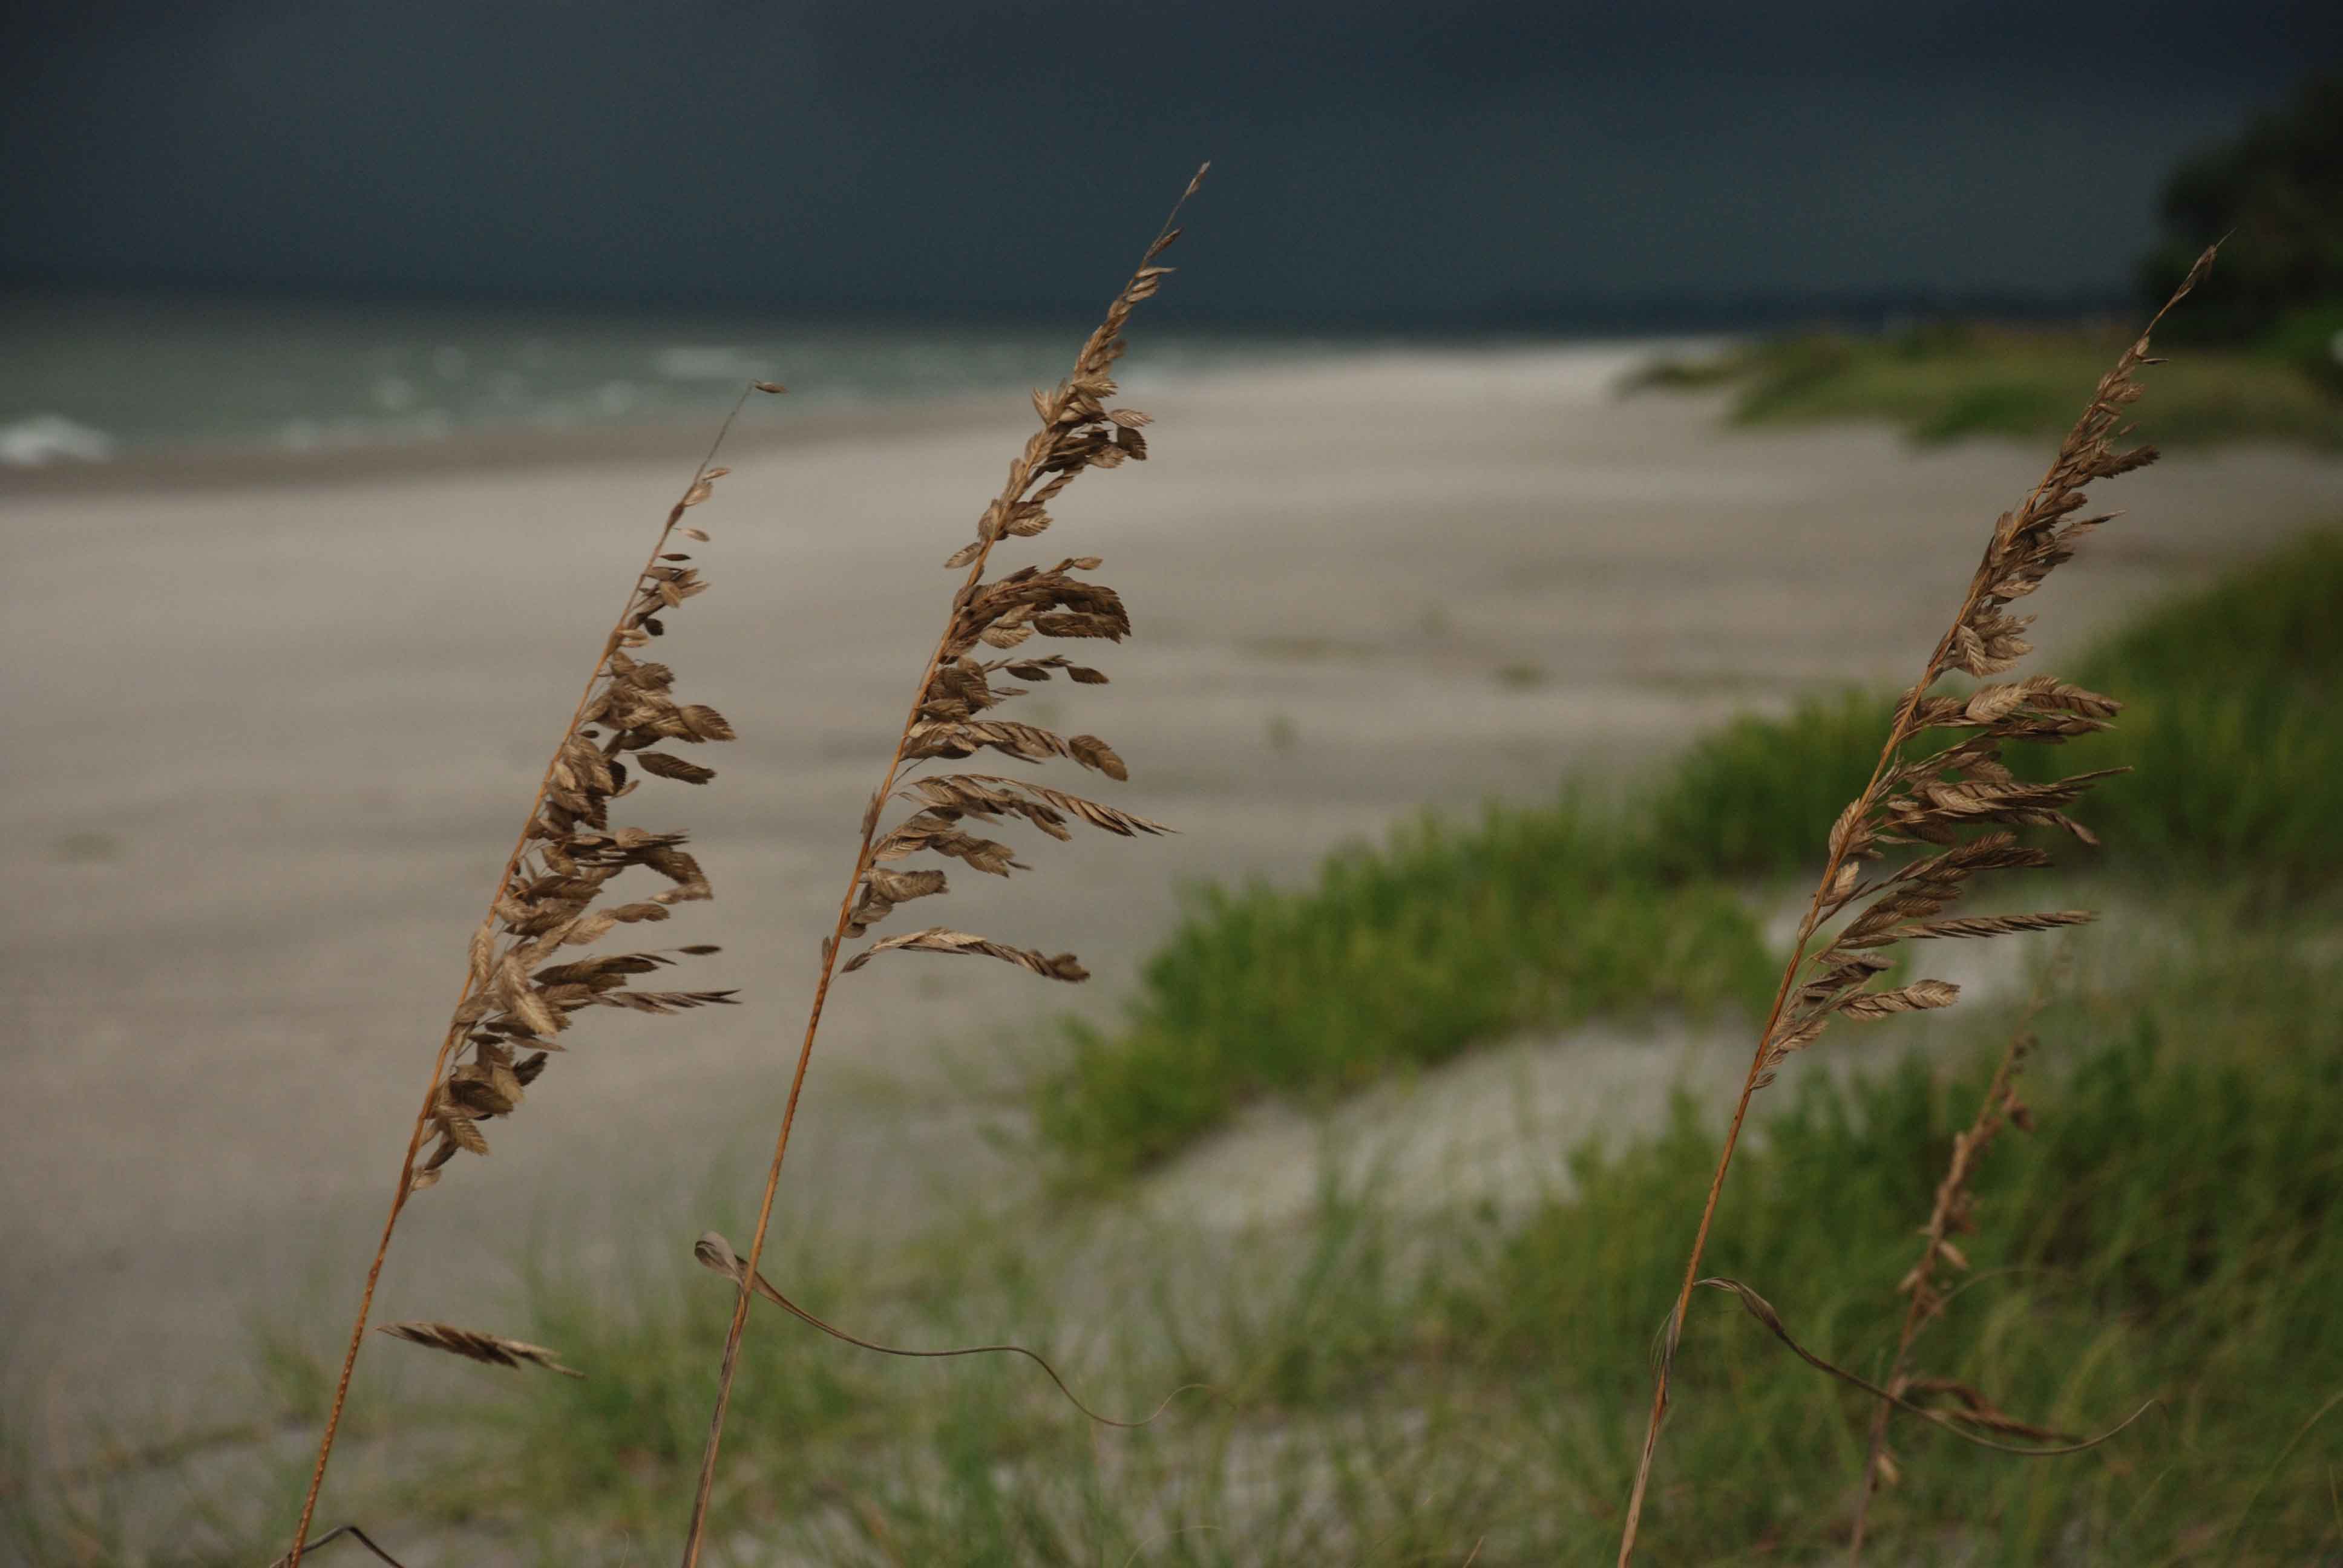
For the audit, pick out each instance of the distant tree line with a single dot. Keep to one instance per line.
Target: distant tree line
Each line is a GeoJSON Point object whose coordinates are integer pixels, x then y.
{"type": "Point", "coordinates": [2277, 191]}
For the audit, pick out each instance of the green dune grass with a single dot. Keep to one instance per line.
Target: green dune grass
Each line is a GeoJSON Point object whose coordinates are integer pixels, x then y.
{"type": "Point", "coordinates": [1455, 934]}
{"type": "Point", "coordinates": [1945, 381]}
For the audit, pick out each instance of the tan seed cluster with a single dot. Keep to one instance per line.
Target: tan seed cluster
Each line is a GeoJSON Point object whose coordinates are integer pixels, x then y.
{"type": "Point", "coordinates": [1956, 796]}
{"type": "Point", "coordinates": [518, 1002]}
{"type": "Point", "coordinates": [955, 718]}
{"type": "Point", "coordinates": [1944, 795]}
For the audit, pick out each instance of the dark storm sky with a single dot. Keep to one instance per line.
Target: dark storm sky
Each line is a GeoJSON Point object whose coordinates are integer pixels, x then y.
{"type": "Point", "coordinates": [1370, 159]}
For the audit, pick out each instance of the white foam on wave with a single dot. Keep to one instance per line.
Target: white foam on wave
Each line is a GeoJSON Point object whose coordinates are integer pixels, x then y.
{"type": "Point", "coordinates": [52, 437]}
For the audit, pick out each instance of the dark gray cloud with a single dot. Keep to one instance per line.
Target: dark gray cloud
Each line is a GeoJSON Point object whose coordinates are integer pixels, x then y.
{"type": "Point", "coordinates": [1420, 161]}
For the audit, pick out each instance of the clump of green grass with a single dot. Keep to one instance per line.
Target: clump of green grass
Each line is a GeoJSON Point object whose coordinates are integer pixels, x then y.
{"type": "Point", "coordinates": [1945, 381]}
{"type": "Point", "coordinates": [2169, 1235]}
{"type": "Point", "coordinates": [2230, 724]}
{"type": "Point", "coordinates": [1397, 958]}
{"type": "Point", "coordinates": [1759, 794]}
{"type": "Point", "coordinates": [1456, 934]}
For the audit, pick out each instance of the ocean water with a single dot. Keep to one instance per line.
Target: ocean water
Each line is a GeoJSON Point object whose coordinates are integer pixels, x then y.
{"type": "Point", "coordinates": [85, 380]}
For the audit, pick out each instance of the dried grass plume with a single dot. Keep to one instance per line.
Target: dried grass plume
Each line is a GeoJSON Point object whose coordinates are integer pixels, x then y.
{"type": "Point", "coordinates": [1940, 785]}
{"type": "Point", "coordinates": [521, 991]}
{"type": "Point", "coordinates": [954, 715]}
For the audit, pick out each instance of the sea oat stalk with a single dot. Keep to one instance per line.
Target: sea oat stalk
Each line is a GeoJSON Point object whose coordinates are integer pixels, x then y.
{"type": "Point", "coordinates": [1922, 1286]}
{"type": "Point", "coordinates": [1939, 798]}
{"type": "Point", "coordinates": [514, 1005]}
{"type": "Point", "coordinates": [1078, 432]}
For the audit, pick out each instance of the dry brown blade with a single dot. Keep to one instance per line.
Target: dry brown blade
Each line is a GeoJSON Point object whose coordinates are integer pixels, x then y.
{"type": "Point", "coordinates": [715, 1253]}
{"type": "Point", "coordinates": [1973, 1407]}
{"type": "Point", "coordinates": [473, 979]}
{"type": "Point", "coordinates": [1012, 503]}
{"type": "Point", "coordinates": [335, 1534]}
{"type": "Point", "coordinates": [1961, 646]}
{"type": "Point", "coordinates": [1758, 1307]}
{"type": "Point", "coordinates": [944, 940]}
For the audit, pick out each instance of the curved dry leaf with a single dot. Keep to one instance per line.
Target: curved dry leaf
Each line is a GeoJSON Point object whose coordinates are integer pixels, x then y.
{"type": "Point", "coordinates": [1759, 1308]}
{"type": "Point", "coordinates": [715, 1254]}
{"type": "Point", "coordinates": [1979, 1410]}
{"type": "Point", "coordinates": [490, 1349]}
{"type": "Point", "coordinates": [315, 1541]}
{"type": "Point", "coordinates": [943, 939]}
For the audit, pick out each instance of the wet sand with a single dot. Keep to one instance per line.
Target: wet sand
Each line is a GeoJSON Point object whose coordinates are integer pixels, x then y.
{"type": "Point", "coordinates": [272, 726]}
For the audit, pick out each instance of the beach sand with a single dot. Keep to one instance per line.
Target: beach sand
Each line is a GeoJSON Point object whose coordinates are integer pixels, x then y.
{"type": "Point", "coordinates": [272, 725]}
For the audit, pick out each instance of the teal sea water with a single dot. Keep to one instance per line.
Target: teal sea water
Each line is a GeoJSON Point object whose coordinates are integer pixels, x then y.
{"type": "Point", "coordinates": [91, 380]}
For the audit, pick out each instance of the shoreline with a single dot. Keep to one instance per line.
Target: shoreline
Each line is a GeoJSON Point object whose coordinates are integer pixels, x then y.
{"type": "Point", "coordinates": [767, 424]}
{"type": "Point", "coordinates": [481, 450]}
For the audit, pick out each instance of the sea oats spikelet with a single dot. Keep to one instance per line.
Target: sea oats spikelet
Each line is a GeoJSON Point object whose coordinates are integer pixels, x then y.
{"type": "Point", "coordinates": [489, 1350]}
{"type": "Point", "coordinates": [1953, 797]}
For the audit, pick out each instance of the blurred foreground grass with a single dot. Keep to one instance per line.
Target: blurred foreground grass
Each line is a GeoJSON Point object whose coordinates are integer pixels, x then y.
{"type": "Point", "coordinates": [1393, 1382]}
{"type": "Point", "coordinates": [1945, 381]}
